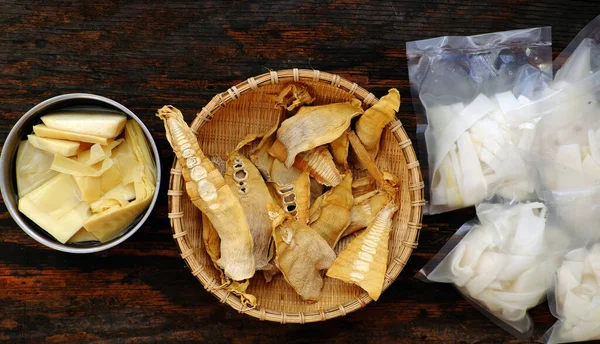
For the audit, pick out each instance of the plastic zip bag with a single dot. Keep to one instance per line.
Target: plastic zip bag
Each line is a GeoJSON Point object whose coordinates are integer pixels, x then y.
{"type": "Point", "coordinates": [581, 57]}
{"type": "Point", "coordinates": [563, 127]}
{"type": "Point", "coordinates": [575, 296]}
{"type": "Point", "coordinates": [462, 86]}
{"type": "Point", "coordinates": [498, 263]}
{"type": "Point", "coordinates": [575, 299]}
{"type": "Point", "coordinates": [572, 199]}
{"type": "Point", "coordinates": [572, 223]}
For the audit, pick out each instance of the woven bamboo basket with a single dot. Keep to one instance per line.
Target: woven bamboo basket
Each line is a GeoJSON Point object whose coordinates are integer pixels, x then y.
{"type": "Point", "coordinates": [246, 108]}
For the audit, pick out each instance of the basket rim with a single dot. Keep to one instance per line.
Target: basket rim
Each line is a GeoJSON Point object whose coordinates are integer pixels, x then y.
{"type": "Point", "coordinates": [415, 188]}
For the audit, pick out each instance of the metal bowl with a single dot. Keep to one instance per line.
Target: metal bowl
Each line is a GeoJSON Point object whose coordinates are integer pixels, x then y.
{"type": "Point", "coordinates": [8, 178]}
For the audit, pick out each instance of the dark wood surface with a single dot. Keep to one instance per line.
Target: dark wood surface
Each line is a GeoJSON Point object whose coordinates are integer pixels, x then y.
{"type": "Point", "coordinates": [145, 54]}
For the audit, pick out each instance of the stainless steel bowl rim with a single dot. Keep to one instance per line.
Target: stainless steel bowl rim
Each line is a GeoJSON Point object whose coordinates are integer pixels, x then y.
{"type": "Point", "coordinates": [5, 163]}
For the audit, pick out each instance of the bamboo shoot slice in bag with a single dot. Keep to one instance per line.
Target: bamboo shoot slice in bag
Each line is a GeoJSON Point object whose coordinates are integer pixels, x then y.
{"type": "Point", "coordinates": [576, 300]}
{"type": "Point", "coordinates": [499, 263]}
{"type": "Point", "coordinates": [474, 187]}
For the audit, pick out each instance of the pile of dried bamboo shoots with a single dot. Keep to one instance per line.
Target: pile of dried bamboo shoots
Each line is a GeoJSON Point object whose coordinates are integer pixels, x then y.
{"type": "Point", "coordinates": [284, 207]}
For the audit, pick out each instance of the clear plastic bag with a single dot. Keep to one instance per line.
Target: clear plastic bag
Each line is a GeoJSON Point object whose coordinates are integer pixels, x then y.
{"type": "Point", "coordinates": [499, 263]}
{"type": "Point", "coordinates": [563, 130]}
{"type": "Point", "coordinates": [462, 86]}
{"type": "Point", "coordinates": [572, 223]}
{"type": "Point", "coordinates": [575, 299]}
{"type": "Point", "coordinates": [572, 199]}
{"type": "Point", "coordinates": [581, 58]}
{"type": "Point", "coordinates": [574, 194]}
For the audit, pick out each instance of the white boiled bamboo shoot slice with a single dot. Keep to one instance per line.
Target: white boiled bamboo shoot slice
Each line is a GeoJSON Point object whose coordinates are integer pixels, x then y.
{"type": "Point", "coordinates": [474, 188]}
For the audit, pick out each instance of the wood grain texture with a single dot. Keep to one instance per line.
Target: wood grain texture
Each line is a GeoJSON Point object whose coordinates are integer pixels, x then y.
{"type": "Point", "coordinates": [145, 54]}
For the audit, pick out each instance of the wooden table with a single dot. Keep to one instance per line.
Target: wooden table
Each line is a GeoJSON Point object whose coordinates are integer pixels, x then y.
{"type": "Point", "coordinates": [144, 55]}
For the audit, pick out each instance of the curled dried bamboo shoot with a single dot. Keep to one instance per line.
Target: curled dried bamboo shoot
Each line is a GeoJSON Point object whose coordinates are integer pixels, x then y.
{"type": "Point", "coordinates": [330, 216]}
{"type": "Point", "coordinates": [370, 125]}
{"type": "Point", "coordinates": [293, 96]}
{"type": "Point", "coordinates": [301, 254]}
{"type": "Point", "coordinates": [313, 126]}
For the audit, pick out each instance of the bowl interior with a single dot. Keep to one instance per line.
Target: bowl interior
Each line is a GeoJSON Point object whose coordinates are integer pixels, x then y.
{"type": "Point", "coordinates": [69, 102]}
{"type": "Point", "coordinates": [255, 112]}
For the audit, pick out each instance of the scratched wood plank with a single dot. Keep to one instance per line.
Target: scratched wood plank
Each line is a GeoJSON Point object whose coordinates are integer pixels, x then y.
{"type": "Point", "coordinates": [145, 54]}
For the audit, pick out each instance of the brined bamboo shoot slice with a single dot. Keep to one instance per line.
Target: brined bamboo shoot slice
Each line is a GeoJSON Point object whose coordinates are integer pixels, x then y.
{"type": "Point", "coordinates": [250, 188]}
{"type": "Point", "coordinates": [301, 254]}
{"type": "Point", "coordinates": [55, 197]}
{"type": "Point", "coordinates": [110, 223]}
{"type": "Point", "coordinates": [61, 228]}
{"type": "Point", "coordinates": [102, 124]}
{"type": "Point", "coordinates": [82, 236]}
{"type": "Point", "coordinates": [62, 147]}
{"type": "Point", "coordinates": [32, 168]}
{"type": "Point", "coordinates": [278, 150]}
{"type": "Point", "coordinates": [73, 167]}
{"type": "Point", "coordinates": [97, 153]}
{"type": "Point", "coordinates": [208, 191]}
{"type": "Point", "coordinates": [56, 206]}
{"type": "Point", "coordinates": [124, 159]}
{"type": "Point", "coordinates": [92, 156]}
{"type": "Point", "coordinates": [313, 126]}
{"type": "Point", "coordinates": [364, 261]}
{"type": "Point", "coordinates": [42, 130]}
{"type": "Point", "coordinates": [320, 165]}
{"type": "Point", "coordinates": [370, 125]}
{"type": "Point", "coordinates": [141, 149]}
{"type": "Point", "coordinates": [118, 196]}
{"type": "Point", "coordinates": [92, 188]}
{"type": "Point", "coordinates": [330, 216]}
